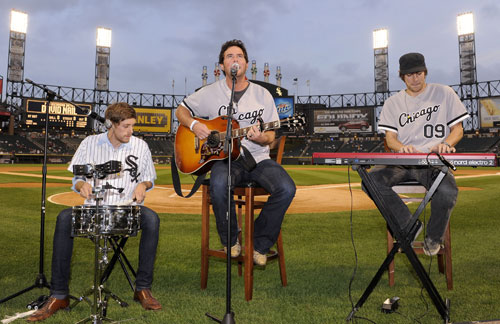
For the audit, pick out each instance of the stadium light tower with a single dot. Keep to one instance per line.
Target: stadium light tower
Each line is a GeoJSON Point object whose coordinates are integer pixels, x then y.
{"type": "Point", "coordinates": [381, 61]}
{"type": "Point", "coordinates": [466, 48]}
{"type": "Point", "coordinates": [467, 65]}
{"type": "Point", "coordinates": [103, 50]}
{"type": "Point", "coordinates": [15, 64]}
{"type": "Point", "coordinates": [102, 58]}
{"type": "Point", "coordinates": [17, 40]}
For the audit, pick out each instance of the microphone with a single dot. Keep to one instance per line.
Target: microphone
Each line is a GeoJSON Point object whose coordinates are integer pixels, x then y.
{"type": "Point", "coordinates": [47, 90]}
{"type": "Point", "coordinates": [102, 120]}
{"type": "Point", "coordinates": [446, 162]}
{"type": "Point", "coordinates": [234, 69]}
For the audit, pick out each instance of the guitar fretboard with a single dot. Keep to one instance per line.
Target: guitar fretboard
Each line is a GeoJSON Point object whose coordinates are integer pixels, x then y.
{"type": "Point", "coordinates": [242, 132]}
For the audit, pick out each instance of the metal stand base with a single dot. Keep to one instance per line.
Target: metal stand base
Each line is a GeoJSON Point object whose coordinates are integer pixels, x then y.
{"type": "Point", "coordinates": [40, 282]}
{"type": "Point", "coordinates": [101, 307]}
{"type": "Point", "coordinates": [228, 318]}
{"type": "Point", "coordinates": [403, 240]}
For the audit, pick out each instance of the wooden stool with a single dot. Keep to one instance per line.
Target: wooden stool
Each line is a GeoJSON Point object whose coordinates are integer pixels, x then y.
{"type": "Point", "coordinates": [444, 254]}
{"type": "Point", "coordinates": [245, 197]}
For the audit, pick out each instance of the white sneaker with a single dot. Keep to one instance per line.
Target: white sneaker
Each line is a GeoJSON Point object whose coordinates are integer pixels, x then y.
{"type": "Point", "coordinates": [235, 250]}
{"type": "Point", "coordinates": [259, 259]}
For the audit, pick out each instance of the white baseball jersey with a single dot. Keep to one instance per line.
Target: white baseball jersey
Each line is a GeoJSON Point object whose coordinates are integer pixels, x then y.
{"type": "Point", "coordinates": [425, 120]}
{"type": "Point", "coordinates": [137, 166]}
{"type": "Point", "coordinates": [211, 101]}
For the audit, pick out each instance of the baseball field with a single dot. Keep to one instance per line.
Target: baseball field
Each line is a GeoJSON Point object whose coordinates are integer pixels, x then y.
{"type": "Point", "coordinates": [321, 257]}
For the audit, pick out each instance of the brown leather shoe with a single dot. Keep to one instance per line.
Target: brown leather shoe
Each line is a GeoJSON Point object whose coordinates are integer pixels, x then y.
{"type": "Point", "coordinates": [147, 300]}
{"type": "Point", "coordinates": [51, 306]}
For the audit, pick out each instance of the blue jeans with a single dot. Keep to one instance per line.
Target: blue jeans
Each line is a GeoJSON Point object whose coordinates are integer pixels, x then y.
{"type": "Point", "coordinates": [443, 201]}
{"type": "Point", "coordinates": [274, 179]}
{"type": "Point", "coordinates": [63, 249]}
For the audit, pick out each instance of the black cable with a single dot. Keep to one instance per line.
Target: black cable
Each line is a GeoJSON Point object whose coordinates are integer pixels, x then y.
{"type": "Point", "coordinates": [352, 241]}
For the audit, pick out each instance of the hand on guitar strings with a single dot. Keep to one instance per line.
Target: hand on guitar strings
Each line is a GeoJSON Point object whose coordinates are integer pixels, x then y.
{"type": "Point", "coordinates": [255, 134]}
{"type": "Point", "coordinates": [201, 130]}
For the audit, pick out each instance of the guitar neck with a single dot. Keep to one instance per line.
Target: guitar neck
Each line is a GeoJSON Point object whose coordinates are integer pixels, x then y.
{"type": "Point", "coordinates": [242, 132]}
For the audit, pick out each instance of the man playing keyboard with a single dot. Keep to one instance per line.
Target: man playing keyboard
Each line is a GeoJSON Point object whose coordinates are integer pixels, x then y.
{"type": "Point", "coordinates": [422, 118]}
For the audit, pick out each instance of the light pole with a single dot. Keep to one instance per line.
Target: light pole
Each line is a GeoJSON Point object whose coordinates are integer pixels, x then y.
{"type": "Point", "coordinates": [466, 48]}
{"type": "Point", "coordinates": [467, 62]}
{"type": "Point", "coordinates": [381, 60]}
{"type": "Point", "coordinates": [15, 65]}
{"type": "Point", "coordinates": [102, 60]}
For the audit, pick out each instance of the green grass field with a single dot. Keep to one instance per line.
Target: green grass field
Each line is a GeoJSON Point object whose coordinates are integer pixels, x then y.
{"type": "Point", "coordinates": [319, 258]}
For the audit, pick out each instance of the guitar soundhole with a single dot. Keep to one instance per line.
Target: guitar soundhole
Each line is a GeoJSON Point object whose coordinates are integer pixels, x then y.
{"type": "Point", "coordinates": [213, 139]}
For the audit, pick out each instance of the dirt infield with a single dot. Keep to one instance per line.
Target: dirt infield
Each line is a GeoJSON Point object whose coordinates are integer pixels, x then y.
{"type": "Point", "coordinates": [309, 199]}
{"type": "Point", "coordinates": [325, 198]}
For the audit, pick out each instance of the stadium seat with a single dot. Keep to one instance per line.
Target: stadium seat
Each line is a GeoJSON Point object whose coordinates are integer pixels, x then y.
{"type": "Point", "coordinates": [245, 197]}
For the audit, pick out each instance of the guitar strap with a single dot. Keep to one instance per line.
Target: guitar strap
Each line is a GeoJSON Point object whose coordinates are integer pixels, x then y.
{"type": "Point", "coordinates": [246, 159]}
{"type": "Point", "coordinates": [177, 182]}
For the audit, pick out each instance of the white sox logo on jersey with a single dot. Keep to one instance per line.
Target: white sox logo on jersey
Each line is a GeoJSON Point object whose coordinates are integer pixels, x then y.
{"type": "Point", "coordinates": [406, 118]}
{"type": "Point", "coordinates": [133, 168]}
{"type": "Point", "coordinates": [252, 115]}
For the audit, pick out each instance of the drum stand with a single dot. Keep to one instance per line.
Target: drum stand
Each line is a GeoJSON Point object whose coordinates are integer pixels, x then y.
{"type": "Point", "coordinates": [98, 304]}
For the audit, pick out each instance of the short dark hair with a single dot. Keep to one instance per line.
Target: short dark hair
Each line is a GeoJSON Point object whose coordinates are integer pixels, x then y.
{"type": "Point", "coordinates": [234, 42]}
{"type": "Point", "coordinates": [119, 111]}
{"type": "Point", "coordinates": [402, 75]}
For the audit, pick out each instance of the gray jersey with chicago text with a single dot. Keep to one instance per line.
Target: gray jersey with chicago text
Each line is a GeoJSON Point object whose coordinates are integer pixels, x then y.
{"type": "Point", "coordinates": [425, 120]}
{"type": "Point", "coordinates": [211, 101]}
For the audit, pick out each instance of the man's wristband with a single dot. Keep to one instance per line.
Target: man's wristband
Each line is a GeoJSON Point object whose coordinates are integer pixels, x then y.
{"type": "Point", "coordinates": [446, 143]}
{"type": "Point", "coordinates": [192, 124]}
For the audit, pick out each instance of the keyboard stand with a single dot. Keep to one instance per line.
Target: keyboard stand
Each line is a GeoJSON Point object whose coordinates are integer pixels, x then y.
{"type": "Point", "coordinates": [403, 237]}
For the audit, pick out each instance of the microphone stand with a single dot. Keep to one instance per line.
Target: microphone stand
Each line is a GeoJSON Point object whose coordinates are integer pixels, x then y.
{"type": "Point", "coordinates": [228, 149]}
{"type": "Point", "coordinates": [41, 279]}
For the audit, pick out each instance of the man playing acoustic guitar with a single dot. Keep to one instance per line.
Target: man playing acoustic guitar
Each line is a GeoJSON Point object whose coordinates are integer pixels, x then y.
{"type": "Point", "coordinates": [251, 103]}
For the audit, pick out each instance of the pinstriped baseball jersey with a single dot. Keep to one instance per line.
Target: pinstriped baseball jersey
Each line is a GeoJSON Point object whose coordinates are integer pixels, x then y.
{"type": "Point", "coordinates": [137, 166]}
{"type": "Point", "coordinates": [211, 101]}
{"type": "Point", "coordinates": [425, 120]}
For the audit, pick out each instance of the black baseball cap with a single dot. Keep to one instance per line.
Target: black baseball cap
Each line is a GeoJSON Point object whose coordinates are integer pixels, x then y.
{"type": "Point", "coordinates": [411, 63]}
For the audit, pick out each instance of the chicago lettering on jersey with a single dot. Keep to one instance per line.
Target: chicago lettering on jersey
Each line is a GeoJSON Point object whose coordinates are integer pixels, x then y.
{"type": "Point", "coordinates": [250, 115]}
{"type": "Point", "coordinates": [406, 118]}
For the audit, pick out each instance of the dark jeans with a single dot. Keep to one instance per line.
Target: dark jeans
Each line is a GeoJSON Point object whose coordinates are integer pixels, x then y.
{"type": "Point", "coordinates": [442, 204]}
{"type": "Point", "coordinates": [63, 249]}
{"type": "Point", "coordinates": [274, 179]}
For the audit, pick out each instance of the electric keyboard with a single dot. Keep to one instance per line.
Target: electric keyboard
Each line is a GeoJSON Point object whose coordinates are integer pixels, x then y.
{"type": "Point", "coordinates": [406, 159]}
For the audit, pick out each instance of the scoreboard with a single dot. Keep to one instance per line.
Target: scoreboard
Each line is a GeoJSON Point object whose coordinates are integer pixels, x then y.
{"type": "Point", "coordinates": [62, 115]}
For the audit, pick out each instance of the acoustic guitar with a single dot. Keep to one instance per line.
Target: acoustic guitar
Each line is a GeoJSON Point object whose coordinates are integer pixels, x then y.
{"type": "Point", "coordinates": [196, 156]}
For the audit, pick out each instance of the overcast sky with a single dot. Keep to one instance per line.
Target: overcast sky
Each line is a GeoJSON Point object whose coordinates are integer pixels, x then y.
{"type": "Point", "coordinates": [328, 42]}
